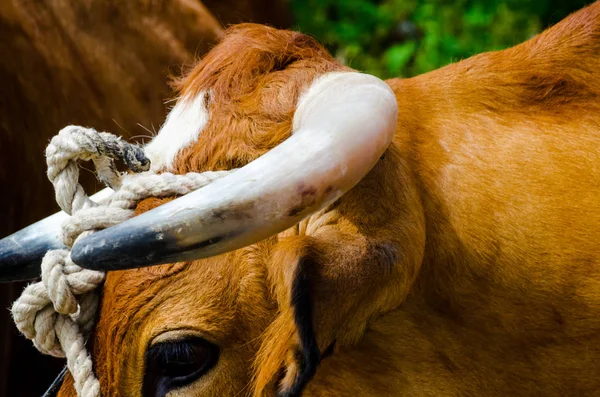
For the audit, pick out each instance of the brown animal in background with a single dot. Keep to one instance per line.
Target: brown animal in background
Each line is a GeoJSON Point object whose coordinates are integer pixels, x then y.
{"type": "Point", "coordinates": [464, 263]}
{"type": "Point", "coordinates": [104, 63]}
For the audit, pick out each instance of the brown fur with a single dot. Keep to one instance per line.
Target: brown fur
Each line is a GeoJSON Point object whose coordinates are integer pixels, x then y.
{"type": "Point", "coordinates": [465, 264]}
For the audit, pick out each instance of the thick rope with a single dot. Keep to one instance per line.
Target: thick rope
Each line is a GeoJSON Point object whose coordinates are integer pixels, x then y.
{"type": "Point", "coordinates": [58, 313]}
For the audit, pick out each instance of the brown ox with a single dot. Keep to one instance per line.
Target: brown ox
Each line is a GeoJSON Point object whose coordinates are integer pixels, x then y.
{"type": "Point", "coordinates": [464, 264]}
{"type": "Point", "coordinates": [96, 62]}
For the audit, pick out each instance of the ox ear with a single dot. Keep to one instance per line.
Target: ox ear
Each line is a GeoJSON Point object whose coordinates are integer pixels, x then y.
{"type": "Point", "coordinates": [290, 353]}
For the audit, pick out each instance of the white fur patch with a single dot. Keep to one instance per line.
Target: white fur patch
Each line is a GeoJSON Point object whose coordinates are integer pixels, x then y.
{"type": "Point", "coordinates": [181, 128]}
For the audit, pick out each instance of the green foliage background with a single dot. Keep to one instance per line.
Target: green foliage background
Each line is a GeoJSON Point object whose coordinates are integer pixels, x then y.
{"type": "Point", "coordinates": [390, 38]}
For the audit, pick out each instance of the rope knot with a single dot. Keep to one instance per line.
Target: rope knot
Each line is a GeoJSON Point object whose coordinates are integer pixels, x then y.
{"type": "Point", "coordinates": [58, 313]}
{"type": "Point", "coordinates": [56, 282]}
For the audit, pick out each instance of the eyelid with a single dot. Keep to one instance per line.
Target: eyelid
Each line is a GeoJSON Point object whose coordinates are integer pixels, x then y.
{"type": "Point", "coordinates": [172, 336]}
{"type": "Point", "coordinates": [177, 335]}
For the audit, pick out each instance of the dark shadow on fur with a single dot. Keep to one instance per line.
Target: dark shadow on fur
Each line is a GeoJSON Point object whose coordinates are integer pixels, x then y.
{"type": "Point", "coordinates": [308, 356]}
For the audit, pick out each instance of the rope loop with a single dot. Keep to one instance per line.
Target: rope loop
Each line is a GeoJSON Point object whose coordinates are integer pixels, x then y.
{"type": "Point", "coordinates": [75, 143]}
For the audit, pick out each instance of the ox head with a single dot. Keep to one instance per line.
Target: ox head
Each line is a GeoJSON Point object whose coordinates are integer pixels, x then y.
{"type": "Point", "coordinates": [302, 130]}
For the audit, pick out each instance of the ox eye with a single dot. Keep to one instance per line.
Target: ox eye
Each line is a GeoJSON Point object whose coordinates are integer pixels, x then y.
{"type": "Point", "coordinates": [173, 364]}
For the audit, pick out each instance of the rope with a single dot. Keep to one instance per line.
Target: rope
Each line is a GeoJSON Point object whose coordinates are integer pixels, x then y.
{"type": "Point", "coordinates": [59, 312]}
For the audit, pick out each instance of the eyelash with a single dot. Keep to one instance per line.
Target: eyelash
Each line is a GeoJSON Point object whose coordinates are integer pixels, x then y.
{"type": "Point", "coordinates": [170, 365]}
{"type": "Point", "coordinates": [174, 351]}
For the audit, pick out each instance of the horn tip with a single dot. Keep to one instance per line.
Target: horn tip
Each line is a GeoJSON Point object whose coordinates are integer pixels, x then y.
{"type": "Point", "coordinates": [20, 258]}
{"type": "Point", "coordinates": [105, 251]}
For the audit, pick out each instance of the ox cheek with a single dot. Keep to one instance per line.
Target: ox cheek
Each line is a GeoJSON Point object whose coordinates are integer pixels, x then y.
{"type": "Point", "coordinates": [174, 364]}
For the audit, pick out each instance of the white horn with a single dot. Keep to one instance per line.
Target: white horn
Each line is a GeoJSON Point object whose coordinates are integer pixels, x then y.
{"type": "Point", "coordinates": [343, 124]}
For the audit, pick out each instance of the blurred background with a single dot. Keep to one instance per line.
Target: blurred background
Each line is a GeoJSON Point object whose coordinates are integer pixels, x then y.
{"type": "Point", "coordinates": [107, 64]}
{"type": "Point", "coordinates": [390, 38]}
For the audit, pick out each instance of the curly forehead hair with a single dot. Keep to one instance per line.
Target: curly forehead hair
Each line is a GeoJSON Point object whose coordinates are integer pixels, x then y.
{"type": "Point", "coordinates": [245, 54]}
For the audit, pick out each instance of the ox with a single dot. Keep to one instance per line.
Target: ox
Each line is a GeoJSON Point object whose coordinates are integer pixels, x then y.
{"type": "Point", "coordinates": [464, 262]}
